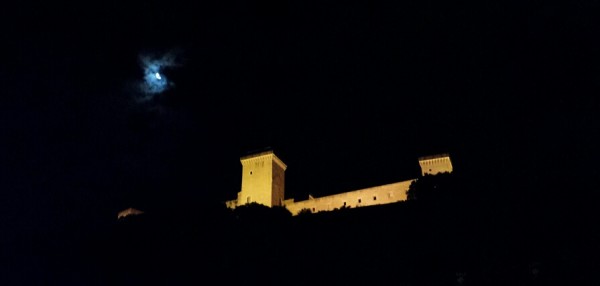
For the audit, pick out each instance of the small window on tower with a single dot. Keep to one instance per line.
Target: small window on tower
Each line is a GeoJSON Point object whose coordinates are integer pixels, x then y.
{"type": "Point", "coordinates": [374, 198]}
{"type": "Point", "coordinates": [359, 201]}
{"type": "Point", "coordinates": [251, 172]}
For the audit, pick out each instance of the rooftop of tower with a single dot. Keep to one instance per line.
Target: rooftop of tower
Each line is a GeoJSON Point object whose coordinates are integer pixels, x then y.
{"type": "Point", "coordinates": [262, 152]}
{"type": "Point", "coordinates": [442, 155]}
{"type": "Point", "coordinates": [256, 154]}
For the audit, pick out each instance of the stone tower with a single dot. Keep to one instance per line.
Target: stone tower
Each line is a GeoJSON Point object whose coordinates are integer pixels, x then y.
{"type": "Point", "coordinates": [263, 180]}
{"type": "Point", "coordinates": [435, 164]}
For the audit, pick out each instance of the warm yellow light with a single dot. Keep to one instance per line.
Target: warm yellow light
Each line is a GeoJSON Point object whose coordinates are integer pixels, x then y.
{"type": "Point", "coordinates": [128, 212]}
{"type": "Point", "coordinates": [263, 182]}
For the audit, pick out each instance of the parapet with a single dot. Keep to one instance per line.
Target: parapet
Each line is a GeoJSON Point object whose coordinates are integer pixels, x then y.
{"type": "Point", "coordinates": [269, 153]}
{"type": "Point", "coordinates": [435, 164]}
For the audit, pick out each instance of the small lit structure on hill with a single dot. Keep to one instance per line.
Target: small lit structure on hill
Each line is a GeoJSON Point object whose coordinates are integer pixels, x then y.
{"type": "Point", "coordinates": [129, 212]}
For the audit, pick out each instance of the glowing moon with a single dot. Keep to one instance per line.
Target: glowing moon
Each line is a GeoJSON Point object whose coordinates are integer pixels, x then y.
{"type": "Point", "coordinates": [154, 82]}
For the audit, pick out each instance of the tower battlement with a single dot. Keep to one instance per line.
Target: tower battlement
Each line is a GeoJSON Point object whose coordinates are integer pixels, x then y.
{"type": "Point", "coordinates": [435, 164]}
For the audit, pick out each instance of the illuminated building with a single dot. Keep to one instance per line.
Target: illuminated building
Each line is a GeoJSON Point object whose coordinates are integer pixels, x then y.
{"type": "Point", "coordinates": [263, 182]}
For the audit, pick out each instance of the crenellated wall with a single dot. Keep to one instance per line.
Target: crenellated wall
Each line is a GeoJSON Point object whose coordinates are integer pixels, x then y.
{"type": "Point", "coordinates": [435, 164]}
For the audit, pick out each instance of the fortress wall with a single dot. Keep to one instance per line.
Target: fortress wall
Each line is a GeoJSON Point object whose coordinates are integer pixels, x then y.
{"type": "Point", "coordinates": [378, 195]}
{"type": "Point", "coordinates": [263, 182]}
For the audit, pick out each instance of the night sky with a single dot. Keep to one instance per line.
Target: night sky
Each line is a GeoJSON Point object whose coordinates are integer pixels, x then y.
{"type": "Point", "coordinates": [348, 94]}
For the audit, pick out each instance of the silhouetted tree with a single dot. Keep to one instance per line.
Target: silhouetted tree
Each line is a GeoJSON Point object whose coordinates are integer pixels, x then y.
{"type": "Point", "coordinates": [431, 187]}
{"type": "Point", "coordinates": [304, 211]}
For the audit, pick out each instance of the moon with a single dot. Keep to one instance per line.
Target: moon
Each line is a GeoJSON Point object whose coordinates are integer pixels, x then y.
{"type": "Point", "coordinates": [157, 75]}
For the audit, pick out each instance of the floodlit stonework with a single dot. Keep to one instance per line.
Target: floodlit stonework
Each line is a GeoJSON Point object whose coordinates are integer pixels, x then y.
{"type": "Point", "coordinates": [435, 164]}
{"type": "Point", "coordinates": [378, 195]}
{"type": "Point", "coordinates": [263, 182]}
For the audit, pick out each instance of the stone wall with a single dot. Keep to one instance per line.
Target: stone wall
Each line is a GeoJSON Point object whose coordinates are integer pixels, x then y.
{"type": "Point", "coordinates": [378, 195]}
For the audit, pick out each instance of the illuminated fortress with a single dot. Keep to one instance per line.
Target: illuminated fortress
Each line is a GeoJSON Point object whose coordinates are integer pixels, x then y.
{"type": "Point", "coordinates": [263, 182]}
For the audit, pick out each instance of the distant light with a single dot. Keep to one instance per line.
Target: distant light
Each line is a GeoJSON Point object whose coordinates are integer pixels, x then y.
{"type": "Point", "coordinates": [157, 75]}
{"type": "Point", "coordinates": [129, 212]}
